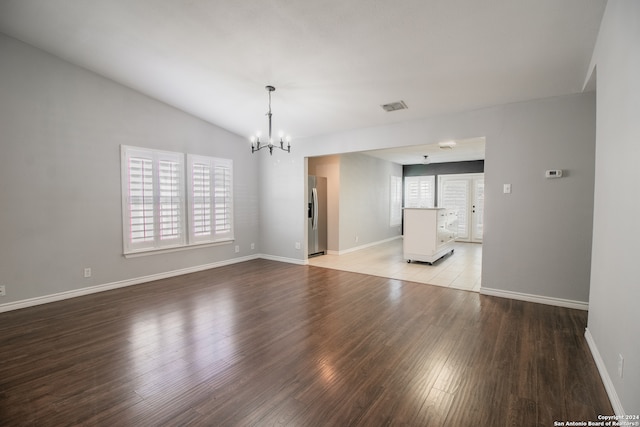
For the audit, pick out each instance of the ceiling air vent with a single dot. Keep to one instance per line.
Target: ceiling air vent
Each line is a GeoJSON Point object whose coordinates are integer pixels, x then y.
{"type": "Point", "coordinates": [393, 106]}
{"type": "Point", "coordinates": [447, 145]}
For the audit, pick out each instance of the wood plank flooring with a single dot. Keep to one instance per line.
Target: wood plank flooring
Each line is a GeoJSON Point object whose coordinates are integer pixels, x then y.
{"type": "Point", "coordinates": [265, 343]}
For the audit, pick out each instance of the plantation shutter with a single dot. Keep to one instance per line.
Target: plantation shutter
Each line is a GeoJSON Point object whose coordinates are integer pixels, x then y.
{"type": "Point", "coordinates": [211, 199]}
{"type": "Point", "coordinates": [419, 191]}
{"type": "Point", "coordinates": [153, 199]}
{"type": "Point", "coordinates": [170, 191]}
{"type": "Point", "coordinates": [455, 195]}
{"type": "Point", "coordinates": [201, 199]}
{"type": "Point", "coordinates": [223, 199]}
{"type": "Point", "coordinates": [140, 190]}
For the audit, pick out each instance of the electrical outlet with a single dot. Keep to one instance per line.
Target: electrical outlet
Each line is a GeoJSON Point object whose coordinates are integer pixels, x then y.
{"type": "Point", "coordinates": [506, 188]}
{"type": "Point", "coordinates": [3, 291]}
{"type": "Point", "coordinates": [253, 246]}
{"type": "Point", "coordinates": [237, 248]}
{"type": "Point", "coordinates": [620, 365]}
{"type": "Point", "coordinates": [357, 239]}
{"type": "Point", "coordinates": [297, 245]}
{"type": "Point", "coordinates": [87, 272]}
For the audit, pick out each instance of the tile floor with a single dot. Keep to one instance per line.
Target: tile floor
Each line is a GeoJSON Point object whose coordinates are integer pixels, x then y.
{"type": "Point", "coordinates": [460, 270]}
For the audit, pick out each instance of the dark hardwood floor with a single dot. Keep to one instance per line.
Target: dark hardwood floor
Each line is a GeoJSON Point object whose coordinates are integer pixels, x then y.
{"type": "Point", "coordinates": [266, 343]}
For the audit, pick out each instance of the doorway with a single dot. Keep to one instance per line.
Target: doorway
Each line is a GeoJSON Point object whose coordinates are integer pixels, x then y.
{"type": "Point", "coordinates": [464, 193]}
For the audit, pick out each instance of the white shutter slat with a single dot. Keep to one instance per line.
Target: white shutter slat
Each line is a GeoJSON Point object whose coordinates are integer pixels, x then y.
{"type": "Point", "coordinates": [455, 195]}
{"type": "Point", "coordinates": [222, 199]}
{"type": "Point", "coordinates": [170, 201]}
{"type": "Point", "coordinates": [140, 186]}
{"type": "Point", "coordinates": [201, 199]}
{"type": "Point", "coordinates": [210, 199]}
{"type": "Point", "coordinates": [419, 191]}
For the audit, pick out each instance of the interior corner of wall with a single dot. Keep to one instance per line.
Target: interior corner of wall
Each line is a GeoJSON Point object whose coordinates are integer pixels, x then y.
{"type": "Point", "coordinates": [589, 84]}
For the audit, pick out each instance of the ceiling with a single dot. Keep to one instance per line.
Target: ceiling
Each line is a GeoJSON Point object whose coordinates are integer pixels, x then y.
{"type": "Point", "coordinates": [464, 150]}
{"type": "Point", "coordinates": [333, 62]}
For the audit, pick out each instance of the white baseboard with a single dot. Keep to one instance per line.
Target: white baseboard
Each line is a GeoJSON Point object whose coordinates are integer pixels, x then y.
{"type": "Point", "coordinates": [357, 248]}
{"type": "Point", "coordinates": [368, 245]}
{"type": "Point", "coordinates": [606, 379]}
{"type": "Point", "coordinates": [284, 259]}
{"type": "Point", "coordinates": [559, 302]}
{"type": "Point", "coordinates": [119, 284]}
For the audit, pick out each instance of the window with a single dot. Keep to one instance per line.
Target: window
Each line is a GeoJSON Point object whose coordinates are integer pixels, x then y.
{"type": "Point", "coordinates": [158, 211]}
{"type": "Point", "coordinates": [395, 201]}
{"type": "Point", "coordinates": [419, 191]}
{"type": "Point", "coordinates": [210, 199]}
{"type": "Point", "coordinates": [153, 199]}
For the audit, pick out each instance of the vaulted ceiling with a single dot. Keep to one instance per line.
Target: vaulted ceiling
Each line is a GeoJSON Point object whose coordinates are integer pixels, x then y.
{"type": "Point", "coordinates": [333, 62]}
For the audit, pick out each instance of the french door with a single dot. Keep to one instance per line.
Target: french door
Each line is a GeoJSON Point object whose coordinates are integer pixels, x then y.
{"type": "Point", "coordinates": [465, 194]}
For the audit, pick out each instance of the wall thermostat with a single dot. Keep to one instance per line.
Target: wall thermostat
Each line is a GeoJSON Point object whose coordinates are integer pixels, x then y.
{"type": "Point", "coordinates": [553, 173]}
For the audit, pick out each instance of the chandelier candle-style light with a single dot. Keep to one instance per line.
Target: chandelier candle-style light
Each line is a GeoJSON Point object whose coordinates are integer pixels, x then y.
{"type": "Point", "coordinates": [255, 139]}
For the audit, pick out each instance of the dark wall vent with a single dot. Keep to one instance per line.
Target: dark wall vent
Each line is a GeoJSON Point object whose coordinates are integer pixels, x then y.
{"type": "Point", "coordinates": [393, 106]}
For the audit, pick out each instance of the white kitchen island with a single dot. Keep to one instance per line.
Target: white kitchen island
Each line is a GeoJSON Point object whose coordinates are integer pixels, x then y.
{"type": "Point", "coordinates": [429, 233]}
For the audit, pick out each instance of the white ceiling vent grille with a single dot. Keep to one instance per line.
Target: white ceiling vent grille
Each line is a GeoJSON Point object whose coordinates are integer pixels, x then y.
{"type": "Point", "coordinates": [393, 106]}
{"type": "Point", "coordinates": [447, 145]}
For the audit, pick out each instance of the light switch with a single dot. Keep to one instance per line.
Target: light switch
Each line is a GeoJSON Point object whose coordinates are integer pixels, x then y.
{"type": "Point", "coordinates": [506, 188]}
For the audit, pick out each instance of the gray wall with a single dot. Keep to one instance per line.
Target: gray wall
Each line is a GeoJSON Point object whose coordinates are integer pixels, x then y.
{"type": "Point", "coordinates": [358, 199]}
{"type": "Point", "coordinates": [364, 200]}
{"type": "Point", "coordinates": [537, 239]}
{"type": "Point", "coordinates": [61, 129]}
{"type": "Point", "coordinates": [615, 273]}
{"type": "Point", "coordinates": [283, 224]}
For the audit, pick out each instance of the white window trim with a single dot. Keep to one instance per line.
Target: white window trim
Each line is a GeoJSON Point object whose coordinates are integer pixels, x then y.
{"type": "Point", "coordinates": [395, 201]}
{"type": "Point", "coordinates": [175, 249]}
{"type": "Point", "coordinates": [155, 156]}
{"type": "Point", "coordinates": [187, 237]}
{"type": "Point", "coordinates": [214, 235]}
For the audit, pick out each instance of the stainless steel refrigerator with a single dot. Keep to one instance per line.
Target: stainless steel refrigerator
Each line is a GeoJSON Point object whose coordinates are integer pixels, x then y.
{"type": "Point", "coordinates": [317, 216]}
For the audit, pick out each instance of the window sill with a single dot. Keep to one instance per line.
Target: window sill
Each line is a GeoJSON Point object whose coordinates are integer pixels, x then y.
{"type": "Point", "coordinates": [146, 252]}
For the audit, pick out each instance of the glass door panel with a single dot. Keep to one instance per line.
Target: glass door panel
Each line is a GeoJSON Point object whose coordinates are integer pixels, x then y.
{"type": "Point", "coordinates": [465, 194]}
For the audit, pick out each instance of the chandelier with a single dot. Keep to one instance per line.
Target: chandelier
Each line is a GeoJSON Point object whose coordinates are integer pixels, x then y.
{"type": "Point", "coordinates": [255, 139]}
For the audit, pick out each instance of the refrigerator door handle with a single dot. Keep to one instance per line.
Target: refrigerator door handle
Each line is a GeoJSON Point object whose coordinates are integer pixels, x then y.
{"type": "Point", "coordinates": [314, 218]}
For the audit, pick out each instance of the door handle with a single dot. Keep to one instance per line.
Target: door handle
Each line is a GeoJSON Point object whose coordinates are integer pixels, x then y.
{"type": "Point", "coordinates": [314, 220]}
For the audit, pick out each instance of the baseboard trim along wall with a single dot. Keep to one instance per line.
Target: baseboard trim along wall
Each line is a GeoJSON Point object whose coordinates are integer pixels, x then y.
{"type": "Point", "coordinates": [120, 284]}
{"type": "Point", "coordinates": [284, 259]}
{"type": "Point", "coordinates": [606, 379]}
{"type": "Point", "coordinates": [138, 280]}
{"type": "Point", "coordinates": [559, 302]}
{"type": "Point", "coordinates": [357, 248]}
